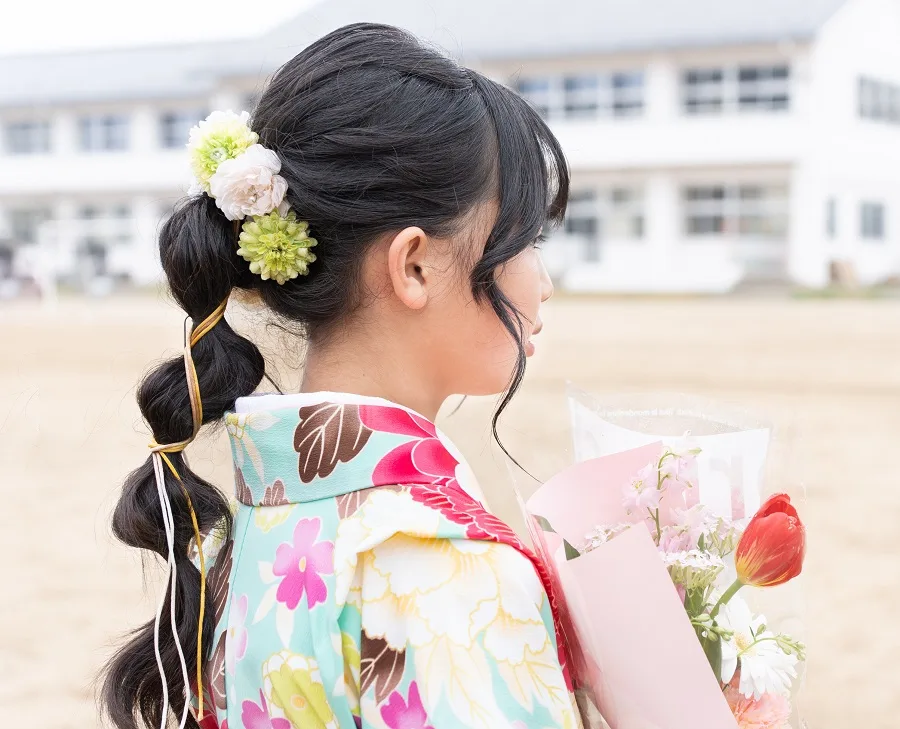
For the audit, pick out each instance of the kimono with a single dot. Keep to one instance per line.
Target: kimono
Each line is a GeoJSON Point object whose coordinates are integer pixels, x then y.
{"type": "Point", "coordinates": [365, 585]}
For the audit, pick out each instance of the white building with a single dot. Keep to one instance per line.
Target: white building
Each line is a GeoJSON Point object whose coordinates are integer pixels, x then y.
{"type": "Point", "coordinates": [710, 142]}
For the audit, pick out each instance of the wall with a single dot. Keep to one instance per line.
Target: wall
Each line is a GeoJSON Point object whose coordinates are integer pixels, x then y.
{"type": "Point", "coordinates": [849, 158]}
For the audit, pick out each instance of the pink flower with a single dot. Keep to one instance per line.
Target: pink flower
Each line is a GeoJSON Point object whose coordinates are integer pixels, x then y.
{"type": "Point", "coordinates": [248, 184]}
{"type": "Point", "coordinates": [256, 716]}
{"type": "Point", "coordinates": [643, 492]}
{"type": "Point", "coordinates": [302, 563]}
{"type": "Point", "coordinates": [410, 714]}
{"type": "Point", "coordinates": [237, 633]}
{"type": "Point", "coordinates": [421, 460]}
{"type": "Point", "coordinates": [769, 711]}
{"type": "Point", "coordinates": [676, 539]}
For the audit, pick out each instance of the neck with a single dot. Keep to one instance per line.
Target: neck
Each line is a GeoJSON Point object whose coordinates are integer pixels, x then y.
{"type": "Point", "coordinates": [372, 367]}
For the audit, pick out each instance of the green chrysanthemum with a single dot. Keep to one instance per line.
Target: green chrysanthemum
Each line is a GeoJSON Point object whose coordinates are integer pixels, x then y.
{"type": "Point", "coordinates": [222, 135]}
{"type": "Point", "coordinates": [277, 247]}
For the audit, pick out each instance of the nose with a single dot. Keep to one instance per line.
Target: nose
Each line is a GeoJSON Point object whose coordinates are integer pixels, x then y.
{"type": "Point", "coordinates": [546, 283]}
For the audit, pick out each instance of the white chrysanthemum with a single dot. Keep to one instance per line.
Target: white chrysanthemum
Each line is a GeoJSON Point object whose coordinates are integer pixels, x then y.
{"type": "Point", "coordinates": [693, 569]}
{"type": "Point", "coordinates": [765, 667]}
{"type": "Point", "coordinates": [221, 136]}
{"type": "Point", "coordinates": [249, 184]}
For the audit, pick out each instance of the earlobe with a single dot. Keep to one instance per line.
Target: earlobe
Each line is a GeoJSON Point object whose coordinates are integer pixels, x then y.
{"type": "Point", "coordinates": [407, 267]}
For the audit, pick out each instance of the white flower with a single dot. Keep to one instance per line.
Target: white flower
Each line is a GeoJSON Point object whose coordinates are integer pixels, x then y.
{"type": "Point", "coordinates": [222, 135]}
{"type": "Point", "coordinates": [693, 569]}
{"type": "Point", "coordinates": [765, 667]}
{"type": "Point", "coordinates": [248, 185]}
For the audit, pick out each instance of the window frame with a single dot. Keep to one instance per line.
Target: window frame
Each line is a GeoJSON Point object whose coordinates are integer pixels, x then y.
{"type": "Point", "coordinates": [615, 94]}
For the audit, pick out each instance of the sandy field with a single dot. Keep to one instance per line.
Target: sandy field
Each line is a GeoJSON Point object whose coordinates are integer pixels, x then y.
{"type": "Point", "coordinates": [827, 372]}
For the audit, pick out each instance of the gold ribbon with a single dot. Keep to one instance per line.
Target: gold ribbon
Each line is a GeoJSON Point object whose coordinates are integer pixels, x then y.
{"type": "Point", "coordinates": [161, 450]}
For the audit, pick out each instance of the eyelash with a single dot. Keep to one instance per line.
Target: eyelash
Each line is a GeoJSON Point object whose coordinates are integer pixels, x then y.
{"type": "Point", "coordinates": [539, 241]}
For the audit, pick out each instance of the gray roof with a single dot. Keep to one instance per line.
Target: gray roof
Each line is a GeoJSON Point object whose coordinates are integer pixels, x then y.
{"type": "Point", "coordinates": [519, 29]}
{"type": "Point", "coordinates": [472, 30]}
{"type": "Point", "coordinates": [160, 71]}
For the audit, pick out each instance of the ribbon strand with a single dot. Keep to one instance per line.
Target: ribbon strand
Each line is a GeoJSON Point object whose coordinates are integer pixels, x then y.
{"type": "Point", "coordinates": [159, 454]}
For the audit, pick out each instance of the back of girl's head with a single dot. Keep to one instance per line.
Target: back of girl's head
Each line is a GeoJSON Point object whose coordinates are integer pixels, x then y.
{"type": "Point", "coordinates": [375, 132]}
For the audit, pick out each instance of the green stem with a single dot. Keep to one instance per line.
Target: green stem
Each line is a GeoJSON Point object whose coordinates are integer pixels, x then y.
{"type": "Point", "coordinates": [655, 515]}
{"type": "Point", "coordinates": [757, 640]}
{"type": "Point", "coordinates": [729, 593]}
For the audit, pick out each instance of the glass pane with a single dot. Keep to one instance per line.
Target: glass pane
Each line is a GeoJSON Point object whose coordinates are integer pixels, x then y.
{"type": "Point", "coordinates": [578, 83]}
{"type": "Point", "coordinates": [706, 224]}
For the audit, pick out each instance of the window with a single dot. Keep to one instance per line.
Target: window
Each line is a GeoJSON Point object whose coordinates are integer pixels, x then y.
{"type": "Point", "coordinates": [103, 133]}
{"type": "Point", "coordinates": [582, 220]}
{"type": "Point", "coordinates": [736, 88]}
{"type": "Point", "coordinates": [744, 211]}
{"type": "Point", "coordinates": [28, 137]}
{"type": "Point", "coordinates": [586, 95]}
{"type": "Point", "coordinates": [703, 90]}
{"type": "Point", "coordinates": [878, 100]}
{"type": "Point", "coordinates": [24, 223]}
{"type": "Point", "coordinates": [175, 127]}
{"type": "Point", "coordinates": [605, 214]}
{"type": "Point", "coordinates": [871, 221]}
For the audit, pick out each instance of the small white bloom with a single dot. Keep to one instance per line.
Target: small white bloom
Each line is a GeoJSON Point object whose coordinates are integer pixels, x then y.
{"type": "Point", "coordinates": [249, 185]}
{"type": "Point", "coordinates": [765, 668]}
{"type": "Point", "coordinates": [693, 569]}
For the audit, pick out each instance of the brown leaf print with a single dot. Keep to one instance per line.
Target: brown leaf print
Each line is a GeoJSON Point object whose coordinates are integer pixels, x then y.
{"type": "Point", "coordinates": [327, 435]}
{"type": "Point", "coordinates": [274, 495]}
{"type": "Point", "coordinates": [380, 665]}
{"type": "Point", "coordinates": [349, 504]}
{"type": "Point", "coordinates": [241, 489]}
{"type": "Point", "coordinates": [214, 676]}
{"type": "Point", "coordinates": [217, 580]}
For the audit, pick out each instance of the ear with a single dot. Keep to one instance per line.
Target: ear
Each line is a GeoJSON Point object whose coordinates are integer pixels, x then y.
{"type": "Point", "coordinates": [407, 269]}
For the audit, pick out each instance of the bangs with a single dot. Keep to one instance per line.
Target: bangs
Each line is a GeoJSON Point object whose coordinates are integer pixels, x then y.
{"type": "Point", "coordinates": [531, 177]}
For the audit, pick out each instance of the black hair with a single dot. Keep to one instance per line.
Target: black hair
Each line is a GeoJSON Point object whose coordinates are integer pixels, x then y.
{"type": "Point", "coordinates": [375, 132]}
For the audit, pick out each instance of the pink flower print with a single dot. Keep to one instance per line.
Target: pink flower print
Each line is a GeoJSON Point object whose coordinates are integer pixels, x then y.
{"type": "Point", "coordinates": [422, 460]}
{"type": "Point", "coordinates": [237, 633]}
{"type": "Point", "coordinates": [256, 716]}
{"type": "Point", "coordinates": [301, 565]}
{"type": "Point", "coordinates": [405, 714]}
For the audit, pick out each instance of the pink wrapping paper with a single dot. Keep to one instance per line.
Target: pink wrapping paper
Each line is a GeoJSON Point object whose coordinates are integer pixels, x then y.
{"type": "Point", "coordinates": [631, 642]}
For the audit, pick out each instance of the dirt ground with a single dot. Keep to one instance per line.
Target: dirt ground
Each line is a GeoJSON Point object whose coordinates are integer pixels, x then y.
{"type": "Point", "coordinates": [827, 372]}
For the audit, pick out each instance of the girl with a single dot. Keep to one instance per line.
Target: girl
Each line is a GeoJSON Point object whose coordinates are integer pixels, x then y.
{"type": "Point", "coordinates": [390, 203]}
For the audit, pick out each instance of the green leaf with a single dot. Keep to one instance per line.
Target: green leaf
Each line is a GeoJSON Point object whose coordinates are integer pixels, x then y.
{"type": "Point", "coordinates": [544, 524]}
{"type": "Point", "coordinates": [571, 552]}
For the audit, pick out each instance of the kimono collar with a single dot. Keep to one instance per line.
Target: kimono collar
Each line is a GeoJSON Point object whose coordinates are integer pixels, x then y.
{"type": "Point", "coordinates": [305, 447]}
{"type": "Point", "coordinates": [294, 448]}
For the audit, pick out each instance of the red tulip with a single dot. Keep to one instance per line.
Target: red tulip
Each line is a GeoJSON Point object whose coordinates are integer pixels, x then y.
{"type": "Point", "coordinates": [771, 549]}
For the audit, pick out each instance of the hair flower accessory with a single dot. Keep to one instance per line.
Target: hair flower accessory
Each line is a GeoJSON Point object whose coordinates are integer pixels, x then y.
{"type": "Point", "coordinates": [248, 185]}
{"type": "Point", "coordinates": [241, 175]}
{"type": "Point", "coordinates": [277, 246]}
{"type": "Point", "coordinates": [221, 136]}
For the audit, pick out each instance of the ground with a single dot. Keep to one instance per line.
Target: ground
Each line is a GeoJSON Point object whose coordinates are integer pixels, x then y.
{"type": "Point", "coordinates": [827, 372]}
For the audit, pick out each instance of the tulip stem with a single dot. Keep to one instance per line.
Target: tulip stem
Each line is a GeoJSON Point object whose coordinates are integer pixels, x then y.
{"type": "Point", "coordinates": [729, 593]}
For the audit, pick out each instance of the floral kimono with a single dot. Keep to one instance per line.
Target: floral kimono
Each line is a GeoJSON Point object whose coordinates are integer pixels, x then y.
{"type": "Point", "coordinates": [365, 585]}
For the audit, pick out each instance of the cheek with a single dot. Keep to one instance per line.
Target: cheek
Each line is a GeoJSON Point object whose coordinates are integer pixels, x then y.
{"type": "Point", "coordinates": [520, 280]}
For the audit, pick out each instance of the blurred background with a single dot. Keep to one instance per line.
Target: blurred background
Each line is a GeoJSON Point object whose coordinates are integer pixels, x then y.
{"type": "Point", "coordinates": [733, 232]}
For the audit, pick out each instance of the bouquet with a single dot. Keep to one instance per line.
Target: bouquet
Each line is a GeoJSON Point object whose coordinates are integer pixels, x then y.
{"type": "Point", "coordinates": [653, 582]}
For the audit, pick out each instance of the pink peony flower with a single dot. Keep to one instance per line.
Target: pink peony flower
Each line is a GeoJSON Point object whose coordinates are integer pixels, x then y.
{"type": "Point", "coordinates": [256, 716]}
{"type": "Point", "coordinates": [643, 492]}
{"type": "Point", "coordinates": [405, 714]}
{"type": "Point", "coordinates": [248, 184]}
{"type": "Point", "coordinates": [301, 564]}
{"type": "Point", "coordinates": [237, 633]}
{"type": "Point", "coordinates": [769, 711]}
